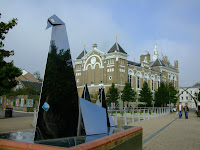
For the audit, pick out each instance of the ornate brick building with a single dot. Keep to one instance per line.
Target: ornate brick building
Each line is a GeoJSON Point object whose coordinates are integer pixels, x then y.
{"type": "Point", "coordinates": [97, 68]}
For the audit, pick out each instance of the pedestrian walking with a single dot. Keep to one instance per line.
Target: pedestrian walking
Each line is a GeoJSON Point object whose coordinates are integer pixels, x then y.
{"type": "Point", "coordinates": [186, 110]}
{"type": "Point", "coordinates": [179, 109]}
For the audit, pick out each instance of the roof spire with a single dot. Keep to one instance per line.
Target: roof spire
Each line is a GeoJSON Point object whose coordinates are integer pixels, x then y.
{"type": "Point", "coordinates": [155, 52]}
{"type": "Point", "coordinates": [155, 46]}
{"type": "Point", "coordinates": [84, 49]}
{"type": "Point", "coordinates": [116, 37]}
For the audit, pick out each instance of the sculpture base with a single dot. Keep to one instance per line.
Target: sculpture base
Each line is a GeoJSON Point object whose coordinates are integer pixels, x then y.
{"type": "Point", "coordinates": [120, 137]}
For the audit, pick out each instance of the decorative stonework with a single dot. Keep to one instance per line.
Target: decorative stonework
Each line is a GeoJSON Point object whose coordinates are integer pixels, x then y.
{"type": "Point", "coordinates": [93, 60]}
{"type": "Point", "coordinates": [97, 67]}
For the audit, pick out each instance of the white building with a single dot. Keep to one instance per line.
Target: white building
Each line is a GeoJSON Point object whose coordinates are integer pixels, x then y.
{"type": "Point", "coordinates": [188, 93]}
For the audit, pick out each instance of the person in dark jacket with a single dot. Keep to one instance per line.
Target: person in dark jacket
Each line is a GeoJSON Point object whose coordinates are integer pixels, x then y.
{"type": "Point", "coordinates": [186, 110]}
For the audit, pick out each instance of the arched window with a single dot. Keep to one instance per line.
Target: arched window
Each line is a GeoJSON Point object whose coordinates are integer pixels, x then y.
{"type": "Point", "coordinates": [146, 77]}
{"type": "Point", "coordinates": [129, 78]}
{"type": "Point", "coordinates": [138, 82]}
{"type": "Point", "coordinates": [158, 83]}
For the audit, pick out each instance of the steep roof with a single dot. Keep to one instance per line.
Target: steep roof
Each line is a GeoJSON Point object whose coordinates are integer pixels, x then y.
{"type": "Point", "coordinates": [133, 63]}
{"type": "Point", "coordinates": [158, 62]}
{"type": "Point", "coordinates": [26, 76]}
{"type": "Point", "coordinates": [32, 84]}
{"type": "Point", "coordinates": [116, 47]}
{"type": "Point", "coordinates": [83, 53]}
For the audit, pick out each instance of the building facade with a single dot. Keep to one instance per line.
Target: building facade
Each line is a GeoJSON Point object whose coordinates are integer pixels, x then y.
{"type": "Point", "coordinates": [186, 95]}
{"type": "Point", "coordinates": [97, 68]}
{"type": "Point", "coordinates": [23, 102]}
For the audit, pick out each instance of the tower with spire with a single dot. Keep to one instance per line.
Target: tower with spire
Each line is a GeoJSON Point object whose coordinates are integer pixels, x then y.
{"type": "Point", "coordinates": [98, 68]}
{"type": "Point", "coordinates": [155, 52]}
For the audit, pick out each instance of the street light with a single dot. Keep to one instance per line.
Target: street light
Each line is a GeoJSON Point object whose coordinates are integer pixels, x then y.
{"type": "Point", "coordinates": [153, 99]}
{"type": "Point", "coordinates": [198, 99]}
{"type": "Point", "coordinates": [136, 103]}
{"type": "Point", "coordinates": [153, 103]}
{"type": "Point", "coordinates": [120, 94]}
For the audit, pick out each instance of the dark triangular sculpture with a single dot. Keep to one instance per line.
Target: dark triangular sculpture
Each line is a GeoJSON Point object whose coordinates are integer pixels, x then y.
{"type": "Point", "coordinates": [58, 109]}
{"type": "Point", "coordinates": [86, 94]}
{"type": "Point", "coordinates": [102, 99]}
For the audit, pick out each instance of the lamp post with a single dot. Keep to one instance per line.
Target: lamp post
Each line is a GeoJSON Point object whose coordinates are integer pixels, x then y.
{"type": "Point", "coordinates": [153, 99]}
{"type": "Point", "coordinates": [198, 99]}
{"type": "Point", "coordinates": [120, 94]}
{"type": "Point", "coordinates": [197, 96]}
{"type": "Point", "coordinates": [169, 106]}
{"type": "Point", "coordinates": [136, 103]}
{"type": "Point", "coordinates": [137, 99]}
{"type": "Point", "coordinates": [153, 103]}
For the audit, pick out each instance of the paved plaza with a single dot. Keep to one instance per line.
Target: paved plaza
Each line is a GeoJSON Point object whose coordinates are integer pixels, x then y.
{"type": "Point", "coordinates": [170, 133]}
{"type": "Point", "coordinates": [165, 132]}
{"type": "Point", "coordinates": [19, 122]}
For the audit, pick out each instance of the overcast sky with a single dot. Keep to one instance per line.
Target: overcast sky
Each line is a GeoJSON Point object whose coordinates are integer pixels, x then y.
{"type": "Point", "coordinates": [174, 24]}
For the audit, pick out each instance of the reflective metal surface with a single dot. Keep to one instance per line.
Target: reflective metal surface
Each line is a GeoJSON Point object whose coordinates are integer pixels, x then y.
{"type": "Point", "coordinates": [58, 110]}
{"type": "Point", "coordinates": [28, 137]}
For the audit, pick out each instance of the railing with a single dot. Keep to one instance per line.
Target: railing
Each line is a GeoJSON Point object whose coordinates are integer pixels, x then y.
{"type": "Point", "coordinates": [35, 117]}
{"type": "Point", "coordinates": [125, 116]}
{"type": "Point", "coordinates": [129, 115]}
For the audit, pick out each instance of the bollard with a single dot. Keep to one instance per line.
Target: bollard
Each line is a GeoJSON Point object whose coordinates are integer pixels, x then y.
{"type": "Point", "coordinates": [138, 113]}
{"type": "Point", "coordinates": [161, 111]}
{"type": "Point", "coordinates": [116, 118]}
{"type": "Point", "coordinates": [151, 113]}
{"type": "Point", "coordinates": [157, 113]}
{"type": "Point", "coordinates": [34, 118]}
{"type": "Point", "coordinates": [148, 113]}
{"type": "Point", "coordinates": [144, 114]}
{"type": "Point", "coordinates": [133, 117]}
{"type": "Point", "coordinates": [125, 118]}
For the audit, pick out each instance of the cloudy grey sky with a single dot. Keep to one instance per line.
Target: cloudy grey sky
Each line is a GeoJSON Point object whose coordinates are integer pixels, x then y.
{"type": "Point", "coordinates": [174, 24]}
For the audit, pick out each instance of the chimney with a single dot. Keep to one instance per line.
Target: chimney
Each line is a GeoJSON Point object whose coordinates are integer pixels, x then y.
{"type": "Point", "coordinates": [94, 45]}
{"type": "Point", "coordinates": [145, 58]}
{"type": "Point", "coordinates": [141, 58]}
{"type": "Point", "coordinates": [165, 60]}
{"type": "Point", "coordinates": [176, 64]}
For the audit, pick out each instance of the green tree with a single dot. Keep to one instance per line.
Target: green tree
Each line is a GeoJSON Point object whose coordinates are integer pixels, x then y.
{"type": "Point", "coordinates": [162, 95]}
{"type": "Point", "coordinates": [197, 95]}
{"type": "Point", "coordinates": [128, 94]}
{"type": "Point", "coordinates": [146, 94]}
{"type": "Point", "coordinates": [23, 91]}
{"type": "Point", "coordinates": [197, 84]}
{"type": "Point", "coordinates": [172, 93]}
{"type": "Point", "coordinates": [8, 71]}
{"type": "Point", "coordinates": [112, 94]}
{"type": "Point", "coordinates": [37, 75]}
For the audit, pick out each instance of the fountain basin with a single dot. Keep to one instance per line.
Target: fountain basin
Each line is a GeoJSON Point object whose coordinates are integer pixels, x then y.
{"type": "Point", "coordinates": [122, 137]}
